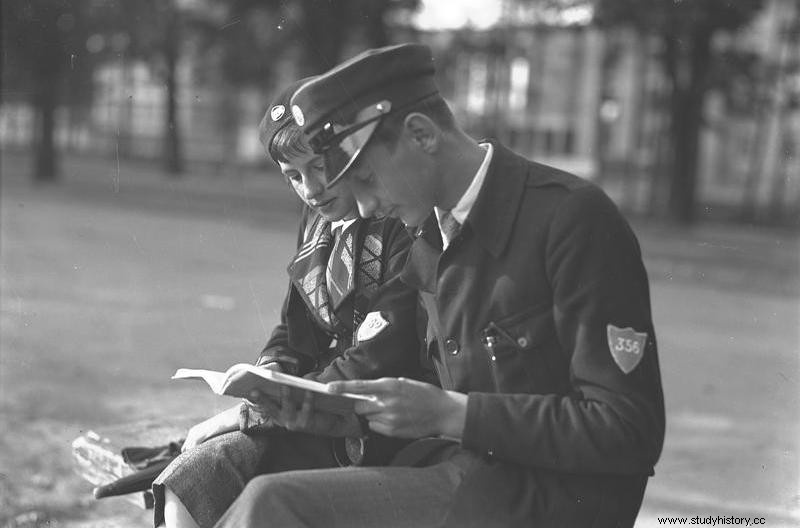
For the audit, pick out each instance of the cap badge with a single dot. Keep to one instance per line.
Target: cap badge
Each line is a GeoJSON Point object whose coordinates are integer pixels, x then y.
{"type": "Point", "coordinates": [299, 118]}
{"type": "Point", "coordinates": [277, 112]}
{"type": "Point", "coordinates": [626, 347]}
{"type": "Point", "coordinates": [373, 324]}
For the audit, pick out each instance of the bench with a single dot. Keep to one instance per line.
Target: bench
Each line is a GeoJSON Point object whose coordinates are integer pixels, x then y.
{"type": "Point", "coordinates": [97, 455]}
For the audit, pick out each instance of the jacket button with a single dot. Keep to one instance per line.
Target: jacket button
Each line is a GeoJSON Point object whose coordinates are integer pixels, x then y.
{"type": "Point", "coordinates": [451, 346]}
{"type": "Point", "coordinates": [522, 341]}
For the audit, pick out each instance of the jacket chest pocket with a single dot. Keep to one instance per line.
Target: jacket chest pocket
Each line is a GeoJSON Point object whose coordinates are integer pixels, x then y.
{"type": "Point", "coordinates": [517, 349]}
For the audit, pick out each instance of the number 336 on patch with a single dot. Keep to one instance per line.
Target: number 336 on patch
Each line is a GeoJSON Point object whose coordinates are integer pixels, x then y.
{"type": "Point", "coordinates": [626, 346]}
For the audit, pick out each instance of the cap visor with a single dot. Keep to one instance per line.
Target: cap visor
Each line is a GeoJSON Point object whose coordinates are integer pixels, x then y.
{"type": "Point", "coordinates": [341, 157]}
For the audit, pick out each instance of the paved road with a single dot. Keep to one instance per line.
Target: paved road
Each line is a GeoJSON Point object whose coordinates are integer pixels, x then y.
{"type": "Point", "coordinates": [117, 277]}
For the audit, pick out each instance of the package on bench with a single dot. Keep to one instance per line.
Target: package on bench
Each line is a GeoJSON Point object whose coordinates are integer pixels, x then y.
{"type": "Point", "coordinates": [124, 459]}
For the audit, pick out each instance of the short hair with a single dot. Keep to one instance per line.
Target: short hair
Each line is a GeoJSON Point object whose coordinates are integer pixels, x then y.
{"type": "Point", "coordinates": [286, 143]}
{"type": "Point", "coordinates": [435, 107]}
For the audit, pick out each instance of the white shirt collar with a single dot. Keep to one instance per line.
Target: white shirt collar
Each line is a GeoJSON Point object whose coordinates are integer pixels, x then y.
{"type": "Point", "coordinates": [464, 205]}
{"type": "Point", "coordinates": [344, 224]}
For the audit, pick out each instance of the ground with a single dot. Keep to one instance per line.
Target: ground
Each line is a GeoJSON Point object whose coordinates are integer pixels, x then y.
{"type": "Point", "coordinates": [117, 276]}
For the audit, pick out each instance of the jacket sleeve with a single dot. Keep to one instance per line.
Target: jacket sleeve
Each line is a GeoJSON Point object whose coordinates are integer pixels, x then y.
{"type": "Point", "coordinates": [610, 421]}
{"type": "Point", "coordinates": [278, 349]}
{"type": "Point", "coordinates": [395, 350]}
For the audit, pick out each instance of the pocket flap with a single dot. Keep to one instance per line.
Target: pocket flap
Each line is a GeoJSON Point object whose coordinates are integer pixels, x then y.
{"type": "Point", "coordinates": [524, 330]}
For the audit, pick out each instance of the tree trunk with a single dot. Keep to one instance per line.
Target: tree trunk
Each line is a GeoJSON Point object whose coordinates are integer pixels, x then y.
{"type": "Point", "coordinates": [608, 62]}
{"type": "Point", "coordinates": [688, 98]}
{"type": "Point", "coordinates": [632, 168]}
{"type": "Point", "coordinates": [788, 150]}
{"type": "Point", "coordinates": [46, 68]}
{"type": "Point", "coordinates": [685, 137]}
{"type": "Point", "coordinates": [326, 22]}
{"type": "Point", "coordinates": [375, 23]}
{"type": "Point", "coordinates": [45, 162]}
{"type": "Point", "coordinates": [173, 160]}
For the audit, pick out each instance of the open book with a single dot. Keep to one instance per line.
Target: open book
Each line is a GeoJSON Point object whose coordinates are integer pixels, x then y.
{"type": "Point", "coordinates": [242, 378]}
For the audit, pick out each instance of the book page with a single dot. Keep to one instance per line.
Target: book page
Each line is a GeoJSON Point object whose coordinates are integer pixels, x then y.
{"type": "Point", "coordinates": [241, 379]}
{"type": "Point", "coordinates": [215, 380]}
{"type": "Point", "coordinates": [292, 381]}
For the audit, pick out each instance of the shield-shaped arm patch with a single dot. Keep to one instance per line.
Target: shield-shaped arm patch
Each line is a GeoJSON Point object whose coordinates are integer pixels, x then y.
{"type": "Point", "coordinates": [626, 346]}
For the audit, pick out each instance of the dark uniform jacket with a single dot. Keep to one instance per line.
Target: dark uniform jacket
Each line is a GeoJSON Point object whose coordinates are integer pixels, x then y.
{"type": "Point", "coordinates": [543, 314]}
{"type": "Point", "coordinates": [323, 346]}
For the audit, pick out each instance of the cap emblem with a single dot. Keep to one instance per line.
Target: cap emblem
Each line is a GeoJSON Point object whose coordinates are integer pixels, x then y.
{"type": "Point", "coordinates": [277, 112]}
{"type": "Point", "coordinates": [299, 118]}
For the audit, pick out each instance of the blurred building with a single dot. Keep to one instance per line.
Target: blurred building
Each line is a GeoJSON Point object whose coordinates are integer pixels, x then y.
{"type": "Point", "coordinates": [559, 90]}
{"type": "Point", "coordinates": [548, 84]}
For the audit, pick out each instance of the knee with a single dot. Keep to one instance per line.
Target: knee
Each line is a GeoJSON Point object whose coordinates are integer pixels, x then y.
{"type": "Point", "coordinates": [231, 449]}
{"type": "Point", "coordinates": [175, 513]}
{"type": "Point", "coordinates": [275, 487]}
{"type": "Point", "coordinates": [264, 497]}
{"type": "Point", "coordinates": [275, 492]}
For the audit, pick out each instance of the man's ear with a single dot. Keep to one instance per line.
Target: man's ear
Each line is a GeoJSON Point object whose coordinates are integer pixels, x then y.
{"type": "Point", "coordinates": [422, 131]}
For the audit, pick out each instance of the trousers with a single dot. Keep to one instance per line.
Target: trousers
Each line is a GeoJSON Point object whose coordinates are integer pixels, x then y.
{"type": "Point", "coordinates": [353, 497]}
{"type": "Point", "coordinates": [209, 477]}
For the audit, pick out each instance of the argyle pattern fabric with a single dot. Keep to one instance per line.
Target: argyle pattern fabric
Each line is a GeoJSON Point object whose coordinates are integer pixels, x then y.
{"type": "Point", "coordinates": [313, 257]}
{"type": "Point", "coordinates": [339, 273]}
{"type": "Point", "coordinates": [369, 266]}
{"type": "Point", "coordinates": [362, 246]}
{"type": "Point", "coordinates": [370, 270]}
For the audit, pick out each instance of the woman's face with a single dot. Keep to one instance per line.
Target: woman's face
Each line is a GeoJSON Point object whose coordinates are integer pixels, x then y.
{"type": "Point", "coordinates": [306, 174]}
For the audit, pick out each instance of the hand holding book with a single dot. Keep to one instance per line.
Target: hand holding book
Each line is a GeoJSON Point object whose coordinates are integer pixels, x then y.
{"type": "Point", "coordinates": [242, 379]}
{"type": "Point", "coordinates": [307, 417]}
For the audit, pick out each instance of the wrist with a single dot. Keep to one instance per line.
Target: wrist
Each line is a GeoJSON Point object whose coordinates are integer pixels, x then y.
{"type": "Point", "coordinates": [454, 415]}
{"type": "Point", "coordinates": [228, 419]}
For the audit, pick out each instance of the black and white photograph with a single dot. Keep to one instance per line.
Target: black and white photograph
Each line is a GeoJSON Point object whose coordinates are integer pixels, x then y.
{"type": "Point", "coordinates": [399, 263]}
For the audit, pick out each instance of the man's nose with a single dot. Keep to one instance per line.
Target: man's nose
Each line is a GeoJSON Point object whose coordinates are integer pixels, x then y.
{"type": "Point", "coordinates": [366, 206]}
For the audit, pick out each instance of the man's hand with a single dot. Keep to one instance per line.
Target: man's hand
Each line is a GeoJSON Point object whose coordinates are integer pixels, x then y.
{"type": "Point", "coordinates": [407, 408]}
{"type": "Point", "coordinates": [305, 418]}
{"type": "Point", "coordinates": [223, 422]}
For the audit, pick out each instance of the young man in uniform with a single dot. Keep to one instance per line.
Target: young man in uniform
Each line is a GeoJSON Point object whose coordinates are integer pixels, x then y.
{"type": "Point", "coordinates": [539, 326]}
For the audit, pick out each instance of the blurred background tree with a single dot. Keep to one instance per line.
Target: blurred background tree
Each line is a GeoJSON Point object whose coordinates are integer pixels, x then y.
{"type": "Point", "coordinates": [45, 62]}
{"type": "Point", "coordinates": [660, 101]}
{"type": "Point", "coordinates": [686, 30]}
{"type": "Point", "coordinates": [156, 30]}
{"type": "Point", "coordinates": [325, 27]}
{"type": "Point", "coordinates": [54, 48]}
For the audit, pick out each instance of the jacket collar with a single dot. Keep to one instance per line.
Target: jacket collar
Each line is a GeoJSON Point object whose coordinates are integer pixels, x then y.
{"type": "Point", "coordinates": [495, 210]}
{"type": "Point", "coordinates": [491, 218]}
{"type": "Point", "coordinates": [419, 271]}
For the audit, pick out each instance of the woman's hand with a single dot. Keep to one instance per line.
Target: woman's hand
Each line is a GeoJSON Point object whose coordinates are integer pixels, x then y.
{"type": "Point", "coordinates": [305, 418]}
{"type": "Point", "coordinates": [223, 422]}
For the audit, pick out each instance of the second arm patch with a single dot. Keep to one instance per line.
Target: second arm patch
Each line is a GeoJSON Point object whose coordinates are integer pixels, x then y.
{"type": "Point", "coordinates": [374, 323]}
